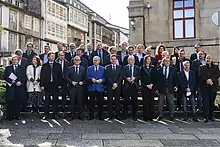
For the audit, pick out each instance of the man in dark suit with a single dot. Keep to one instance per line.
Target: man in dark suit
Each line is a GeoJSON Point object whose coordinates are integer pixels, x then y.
{"type": "Point", "coordinates": [195, 67]}
{"type": "Point", "coordinates": [131, 51]}
{"type": "Point", "coordinates": [76, 76]}
{"type": "Point", "coordinates": [101, 53]}
{"type": "Point", "coordinates": [195, 55]}
{"type": "Point", "coordinates": [149, 53]}
{"type": "Point", "coordinates": [166, 84]}
{"type": "Point", "coordinates": [179, 67]}
{"type": "Point", "coordinates": [29, 53]}
{"type": "Point", "coordinates": [71, 54]}
{"type": "Point", "coordinates": [64, 66]}
{"type": "Point", "coordinates": [131, 75]}
{"type": "Point", "coordinates": [140, 55]}
{"type": "Point", "coordinates": [122, 53]}
{"type": "Point", "coordinates": [60, 47]}
{"type": "Point", "coordinates": [21, 60]}
{"type": "Point", "coordinates": [186, 79]}
{"type": "Point", "coordinates": [113, 86]}
{"type": "Point", "coordinates": [96, 80]}
{"type": "Point", "coordinates": [84, 62]}
{"type": "Point", "coordinates": [15, 77]}
{"type": "Point", "coordinates": [43, 56]}
{"type": "Point", "coordinates": [180, 60]}
{"type": "Point", "coordinates": [88, 53]}
{"type": "Point", "coordinates": [209, 74]}
{"type": "Point", "coordinates": [50, 82]}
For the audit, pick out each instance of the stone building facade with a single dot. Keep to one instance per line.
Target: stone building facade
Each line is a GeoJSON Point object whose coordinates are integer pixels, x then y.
{"type": "Point", "coordinates": [21, 22]}
{"type": "Point", "coordinates": [181, 23]}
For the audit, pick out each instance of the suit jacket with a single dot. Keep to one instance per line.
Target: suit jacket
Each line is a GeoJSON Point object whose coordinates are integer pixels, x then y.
{"type": "Point", "coordinates": [15, 92]}
{"type": "Point", "coordinates": [125, 62]}
{"type": "Point", "coordinates": [179, 64]}
{"type": "Point", "coordinates": [105, 57]}
{"type": "Point", "coordinates": [24, 63]}
{"type": "Point", "coordinates": [88, 56]}
{"type": "Point", "coordinates": [42, 57]}
{"type": "Point", "coordinates": [91, 73]}
{"type": "Point", "coordinates": [29, 57]}
{"type": "Point", "coordinates": [127, 74]}
{"type": "Point", "coordinates": [205, 73]}
{"type": "Point", "coordinates": [184, 83]}
{"type": "Point", "coordinates": [162, 83]}
{"type": "Point", "coordinates": [72, 75]}
{"type": "Point", "coordinates": [113, 76]}
{"type": "Point", "coordinates": [193, 56]}
{"type": "Point", "coordinates": [65, 67]}
{"type": "Point", "coordinates": [46, 75]}
{"type": "Point", "coordinates": [147, 76]}
{"type": "Point", "coordinates": [153, 62]}
{"type": "Point", "coordinates": [195, 67]}
{"type": "Point", "coordinates": [141, 62]}
{"type": "Point", "coordinates": [119, 53]}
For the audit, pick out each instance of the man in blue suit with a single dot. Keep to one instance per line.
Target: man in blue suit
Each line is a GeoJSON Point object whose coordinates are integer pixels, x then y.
{"type": "Point", "coordinates": [187, 83]}
{"type": "Point", "coordinates": [166, 84]}
{"type": "Point", "coordinates": [96, 80]}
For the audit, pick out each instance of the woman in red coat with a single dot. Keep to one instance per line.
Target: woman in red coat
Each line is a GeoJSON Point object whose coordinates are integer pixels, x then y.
{"type": "Point", "coordinates": [160, 48]}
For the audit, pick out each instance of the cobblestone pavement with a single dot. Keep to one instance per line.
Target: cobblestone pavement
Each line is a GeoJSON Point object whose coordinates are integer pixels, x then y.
{"type": "Point", "coordinates": [109, 133]}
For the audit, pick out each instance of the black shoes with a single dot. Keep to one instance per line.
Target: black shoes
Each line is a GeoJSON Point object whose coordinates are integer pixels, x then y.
{"type": "Point", "coordinates": [206, 120]}
{"type": "Point", "coordinates": [159, 118]}
{"type": "Point", "coordinates": [171, 118]}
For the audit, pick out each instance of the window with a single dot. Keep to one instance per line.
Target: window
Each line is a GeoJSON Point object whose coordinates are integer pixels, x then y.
{"type": "Point", "coordinates": [13, 38]}
{"type": "Point", "coordinates": [13, 16]}
{"type": "Point", "coordinates": [36, 24]}
{"type": "Point", "coordinates": [53, 9]}
{"type": "Point", "coordinates": [27, 21]}
{"type": "Point", "coordinates": [184, 19]}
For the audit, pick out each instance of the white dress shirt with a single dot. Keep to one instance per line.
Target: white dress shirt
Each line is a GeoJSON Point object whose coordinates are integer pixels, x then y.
{"type": "Point", "coordinates": [140, 56]}
{"type": "Point", "coordinates": [164, 71]}
{"type": "Point", "coordinates": [186, 74]}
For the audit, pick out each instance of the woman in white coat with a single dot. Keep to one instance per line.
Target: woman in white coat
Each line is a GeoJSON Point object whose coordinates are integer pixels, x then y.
{"type": "Point", "coordinates": [33, 84]}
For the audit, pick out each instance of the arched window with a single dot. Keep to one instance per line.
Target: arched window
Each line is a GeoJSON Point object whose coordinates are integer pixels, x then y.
{"type": "Point", "coordinates": [183, 19]}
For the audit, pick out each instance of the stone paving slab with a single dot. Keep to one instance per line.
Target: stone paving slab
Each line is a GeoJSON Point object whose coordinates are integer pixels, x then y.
{"type": "Point", "coordinates": [110, 130]}
{"type": "Point", "coordinates": [64, 136]}
{"type": "Point", "coordinates": [210, 130]}
{"type": "Point", "coordinates": [168, 136]}
{"type": "Point", "coordinates": [113, 136]}
{"type": "Point", "coordinates": [187, 131]}
{"type": "Point", "coordinates": [82, 130]}
{"type": "Point", "coordinates": [111, 143]}
{"type": "Point", "coordinates": [81, 143]}
{"type": "Point", "coordinates": [190, 143]}
{"type": "Point", "coordinates": [208, 136]}
{"type": "Point", "coordinates": [31, 141]}
{"type": "Point", "coordinates": [146, 130]}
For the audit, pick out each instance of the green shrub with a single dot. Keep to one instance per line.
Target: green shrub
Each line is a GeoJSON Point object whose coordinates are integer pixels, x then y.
{"type": "Point", "coordinates": [2, 95]}
{"type": "Point", "coordinates": [2, 73]}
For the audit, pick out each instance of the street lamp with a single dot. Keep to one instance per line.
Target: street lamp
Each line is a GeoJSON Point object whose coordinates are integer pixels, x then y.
{"type": "Point", "coordinates": [132, 22]}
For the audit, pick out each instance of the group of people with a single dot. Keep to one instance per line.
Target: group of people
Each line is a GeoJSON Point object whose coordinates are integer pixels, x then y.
{"type": "Point", "coordinates": [84, 76]}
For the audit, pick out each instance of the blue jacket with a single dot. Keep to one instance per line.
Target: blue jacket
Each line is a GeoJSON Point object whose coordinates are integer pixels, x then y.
{"type": "Point", "coordinates": [91, 73]}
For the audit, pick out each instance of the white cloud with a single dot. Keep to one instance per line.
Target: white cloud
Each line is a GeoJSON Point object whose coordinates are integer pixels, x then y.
{"type": "Point", "coordinates": [117, 9]}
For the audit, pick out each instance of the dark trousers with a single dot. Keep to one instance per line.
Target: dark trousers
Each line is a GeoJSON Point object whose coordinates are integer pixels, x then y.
{"type": "Point", "coordinates": [178, 96]}
{"type": "Point", "coordinates": [116, 94]}
{"type": "Point", "coordinates": [208, 102]}
{"type": "Point", "coordinates": [148, 109]}
{"type": "Point", "coordinates": [76, 99]}
{"type": "Point", "coordinates": [170, 98]}
{"type": "Point", "coordinates": [63, 93]}
{"type": "Point", "coordinates": [13, 108]}
{"type": "Point", "coordinates": [51, 90]}
{"type": "Point", "coordinates": [96, 97]}
{"type": "Point", "coordinates": [192, 103]}
{"type": "Point", "coordinates": [130, 92]}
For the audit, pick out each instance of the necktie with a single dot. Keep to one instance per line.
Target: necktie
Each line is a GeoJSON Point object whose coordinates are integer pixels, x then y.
{"type": "Point", "coordinates": [96, 69]}
{"type": "Point", "coordinates": [166, 72]}
{"type": "Point", "coordinates": [130, 69]}
{"type": "Point", "coordinates": [51, 72]}
{"type": "Point", "coordinates": [114, 68]}
{"type": "Point", "coordinates": [15, 69]}
{"type": "Point", "coordinates": [77, 69]}
{"type": "Point", "coordinates": [100, 56]}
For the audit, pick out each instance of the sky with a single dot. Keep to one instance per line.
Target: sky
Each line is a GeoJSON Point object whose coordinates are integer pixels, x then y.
{"type": "Point", "coordinates": [114, 9]}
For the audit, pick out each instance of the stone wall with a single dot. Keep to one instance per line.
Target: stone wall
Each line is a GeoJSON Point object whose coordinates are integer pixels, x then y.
{"type": "Point", "coordinates": [159, 25]}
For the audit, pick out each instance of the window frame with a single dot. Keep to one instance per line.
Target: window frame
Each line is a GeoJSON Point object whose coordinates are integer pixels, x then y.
{"type": "Point", "coordinates": [183, 8]}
